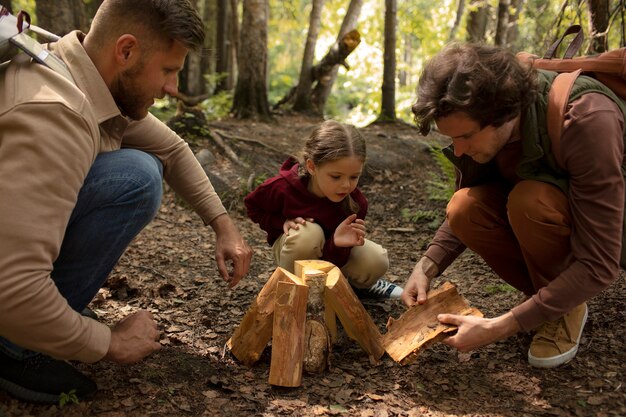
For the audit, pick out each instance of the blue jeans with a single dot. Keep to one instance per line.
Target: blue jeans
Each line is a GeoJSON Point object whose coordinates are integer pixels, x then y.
{"type": "Point", "coordinates": [120, 196]}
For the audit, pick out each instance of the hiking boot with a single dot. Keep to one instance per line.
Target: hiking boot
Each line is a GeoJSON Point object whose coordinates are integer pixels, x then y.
{"type": "Point", "coordinates": [556, 342]}
{"type": "Point", "coordinates": [381, 290]}
{"type": "Point", "coordinates": [43, 379]}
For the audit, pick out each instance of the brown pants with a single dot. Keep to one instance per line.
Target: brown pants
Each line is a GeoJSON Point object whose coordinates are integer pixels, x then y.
{"type": "Point", "coordinates": [523, 234]}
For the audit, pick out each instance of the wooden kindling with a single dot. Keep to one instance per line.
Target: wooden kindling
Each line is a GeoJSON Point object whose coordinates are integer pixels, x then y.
{"type": "Point", "coordinates": [418, 327]}
{"type": "Point", "coordinates": [299, 312]}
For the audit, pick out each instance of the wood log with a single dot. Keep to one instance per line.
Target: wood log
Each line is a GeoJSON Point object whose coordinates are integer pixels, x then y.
{"type": "Point", "coordinates": [355, 320]}
{"type": "Point", "coordinates": [255, 330]}
{"type": "Point", "coordinates": [418, 328]}
{"type": "Point", "coordinates": [317, 338]}
{"type": "Point", "coordinates": [288, 334]}
{"type": "Point", "coordinates": [329, 314]}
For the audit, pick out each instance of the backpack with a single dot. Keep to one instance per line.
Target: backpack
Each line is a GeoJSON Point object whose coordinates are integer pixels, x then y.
{"type": "Point", "coordinates": [14, 37]}
{"type": "Point", "coordinates": [608, 68]}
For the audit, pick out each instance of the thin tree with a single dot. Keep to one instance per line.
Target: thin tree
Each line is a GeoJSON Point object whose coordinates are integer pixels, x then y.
{"type": "Point", "coordinates": [477, 21]}
{"type": "Point", "coordinates": [303, 90]}
{"type": "Point", "coordinates": [388, 106]}
{"type": "Point", "coordinates": [457, 20]}
{"type": "Point", "coordinates": [233, 44]}
{"type": "Point", "coordinates": [322, 89]}
{"type": "Point", "coordinates": [502, 24]}
{"type": "Point", "coordinates": [512, 35]}
{"type": "Point", "coordinates": [221, 46]}
{"type": "Point", "coordinates": [599, 21]}
{"type": "Point", "coordinates": [250, 100]}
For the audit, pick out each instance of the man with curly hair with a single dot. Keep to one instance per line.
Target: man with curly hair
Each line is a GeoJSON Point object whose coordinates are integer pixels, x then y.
{"type": "Point", "coordinates": [547, 221]}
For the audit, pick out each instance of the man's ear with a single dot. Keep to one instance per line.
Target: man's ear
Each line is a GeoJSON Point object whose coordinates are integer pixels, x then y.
{"type": "Point", "coordinates": [126, 50]}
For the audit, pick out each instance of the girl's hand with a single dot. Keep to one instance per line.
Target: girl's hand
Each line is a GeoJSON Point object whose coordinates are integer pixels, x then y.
{"type": "Point", "coordinates": [294, 224]}
{"type": "Point", "coordinates": [351, 232]}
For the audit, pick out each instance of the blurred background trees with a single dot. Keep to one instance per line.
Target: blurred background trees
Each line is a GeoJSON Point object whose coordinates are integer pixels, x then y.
{"type": "Point", "coordinates": [296, 55]}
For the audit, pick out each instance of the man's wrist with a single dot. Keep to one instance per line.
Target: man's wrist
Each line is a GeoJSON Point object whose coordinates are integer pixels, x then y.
{"type": "Point", "coordinates": [430, 269]}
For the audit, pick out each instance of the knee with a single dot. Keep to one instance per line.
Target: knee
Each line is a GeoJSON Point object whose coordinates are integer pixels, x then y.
{"type": "Point", "coordinates": [533, 203]}
{"type": "Point", "coordinates": [459, 209]}
{"type": "Point", "coordinates": [146, 173]}
{"type": "Point", "coordinates": [307, 235]}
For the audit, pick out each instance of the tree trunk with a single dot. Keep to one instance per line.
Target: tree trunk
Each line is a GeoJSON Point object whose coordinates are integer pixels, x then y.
{"type": "Point", "coordinates": [250, 99]}
{"type": "Point", "coordinates": [61, 16]}
{"type": "Point", "coordinates": [221, 46]}
{"type": "Point", "coordinates": [388, 107]}
{"type": "Point", "coordinates": [233, 43]}
{"type": "Point", "coordinates": [303, 91]}
{"type": "Point", "coordinates": [502, 25]}
{"type": "Point", "coordinates": [324, 86]}
{"type": "Point", "coordinates": [457, 20]}
{"type": "Point", "coordinates": [407, 56]}
{"type": "Point", "coordinates": [192, 82]}
{"type": "Point", "coordinates": [477, 21]}
{"type": "Point", "coordinates": [599, 22]}
{"type": "Point", "coordinates": [512, 35]}
{"type": "Point", "coordinates": [7, 5]}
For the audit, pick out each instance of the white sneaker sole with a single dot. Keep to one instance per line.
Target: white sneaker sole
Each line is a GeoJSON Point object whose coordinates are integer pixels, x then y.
{"type": "Point", "coordinates": [554, 361]}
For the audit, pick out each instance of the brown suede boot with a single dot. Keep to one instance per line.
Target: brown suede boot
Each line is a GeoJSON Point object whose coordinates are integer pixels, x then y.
{"type": "Point", "coordinates": [556, 342]}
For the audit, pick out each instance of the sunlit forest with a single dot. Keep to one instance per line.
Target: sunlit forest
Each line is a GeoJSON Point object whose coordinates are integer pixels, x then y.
{"type": "Point", "coordinates": [420, 29]}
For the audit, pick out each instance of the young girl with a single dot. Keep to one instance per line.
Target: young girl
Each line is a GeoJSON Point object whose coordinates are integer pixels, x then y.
{"type": "Point", "coordinates": [314, 210]}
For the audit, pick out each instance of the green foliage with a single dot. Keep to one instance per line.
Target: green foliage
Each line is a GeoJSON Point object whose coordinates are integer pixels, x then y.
{"type": "Point", "coordinates": [441, 187]}
{"type": "Point", "coordinates": [68, 398]}
{"type": "Point", "coordinates": [432, 218]}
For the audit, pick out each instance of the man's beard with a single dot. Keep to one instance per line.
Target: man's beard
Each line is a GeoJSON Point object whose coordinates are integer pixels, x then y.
{"type": "Point", "coordinates": [128, 94]}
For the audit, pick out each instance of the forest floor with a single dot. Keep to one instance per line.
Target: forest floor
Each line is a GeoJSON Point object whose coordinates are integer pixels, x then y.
{"type": "Point", "coordinates": [170, 270]}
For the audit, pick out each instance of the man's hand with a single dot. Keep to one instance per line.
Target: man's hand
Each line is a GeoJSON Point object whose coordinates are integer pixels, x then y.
{"type": "Point", "coordinates": [230, 246]}
{"type": "Point", "coordinates": [418, 283]}
{"type": "Point", "coordinates": [475, 332]}
{"type": "Point", "coordinates": [350, 232]}
{"type": "Point", "coordinates": [295, 224]}
{"type": "Point", "coordinates": [133, 338]}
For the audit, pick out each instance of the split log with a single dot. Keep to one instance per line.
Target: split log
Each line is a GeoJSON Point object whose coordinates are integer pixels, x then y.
{"type": "Point", "coordinates": [329, 314]}
{"type": "Point", "coordinates": [355, 320]}
{"type": "Point", "coordinates": [288, 340]}
{"type": "Point", "coordinates": [255, 330]}
{"type": "Point", "coordinates": [418, 328]}
{"type": "Point", "coordinates": [317, 339]}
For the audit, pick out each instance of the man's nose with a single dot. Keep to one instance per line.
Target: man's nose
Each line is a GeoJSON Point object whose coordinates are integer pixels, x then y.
{"type": "Point", "coordinates": [460, 147]}
{"type": "Point", "coordinates": [171, 86]}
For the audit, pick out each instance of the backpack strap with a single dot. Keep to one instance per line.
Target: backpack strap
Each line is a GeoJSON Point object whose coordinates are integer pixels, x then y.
{"type": "Point", "coordinates": [558, 97]}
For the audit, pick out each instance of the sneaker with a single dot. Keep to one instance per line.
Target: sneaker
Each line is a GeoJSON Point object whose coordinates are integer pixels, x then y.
{"type": "Point", "coordinates": [556, 342]}
{"type": "Point", "coordinates": [381, 290]}
{"type": "Point", "coordinates": [43, 379]}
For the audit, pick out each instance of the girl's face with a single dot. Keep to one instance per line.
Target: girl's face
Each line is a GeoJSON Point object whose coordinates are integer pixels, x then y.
{"type": "Point", "coordinates": [335, 179]}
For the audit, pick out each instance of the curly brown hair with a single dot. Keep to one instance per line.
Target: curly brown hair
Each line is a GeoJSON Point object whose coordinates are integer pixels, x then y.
{"type": "Point", "coordinates": [487, 83]}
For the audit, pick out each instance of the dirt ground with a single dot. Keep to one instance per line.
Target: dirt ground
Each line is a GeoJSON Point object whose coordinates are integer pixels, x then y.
{"type": "Point", "coordinates": [170, 270]}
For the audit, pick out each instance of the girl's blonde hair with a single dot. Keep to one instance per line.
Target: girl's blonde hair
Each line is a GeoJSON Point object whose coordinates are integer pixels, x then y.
{"type": "Point", "coordinates": [329, 142]}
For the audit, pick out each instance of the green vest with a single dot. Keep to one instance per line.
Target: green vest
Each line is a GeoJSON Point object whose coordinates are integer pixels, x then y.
{"type": "Point", "coordinates": [537, 162]}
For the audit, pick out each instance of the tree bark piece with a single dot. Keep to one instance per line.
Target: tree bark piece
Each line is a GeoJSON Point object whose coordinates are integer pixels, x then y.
{"type": "Point", "coordinates": [255, 330]}
{"type": "Point", "coordinates": [288, 341]}
{"type": "Point", "coordinates": [355, 320]}
{"type": "Point", "coordinates": [418, 328]}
